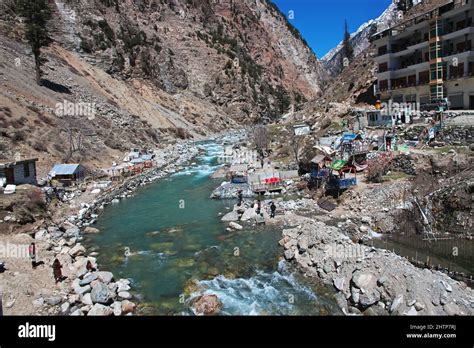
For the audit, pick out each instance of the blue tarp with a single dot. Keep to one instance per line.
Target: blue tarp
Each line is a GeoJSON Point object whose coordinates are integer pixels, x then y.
{"type": "Point", "coordinates": [349, 136]}
{"type": "Point", "coordinates": [342, 184]}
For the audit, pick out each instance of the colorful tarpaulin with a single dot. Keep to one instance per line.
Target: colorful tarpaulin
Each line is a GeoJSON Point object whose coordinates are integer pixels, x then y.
{"type": "Point", "coordinates": [338, 164]}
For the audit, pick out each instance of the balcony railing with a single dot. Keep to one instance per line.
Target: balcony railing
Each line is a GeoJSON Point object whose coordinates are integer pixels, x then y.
{"type": "Point", "coordinates": [448, 52]}
{"type": "Point", "coordinates": [448, 29]}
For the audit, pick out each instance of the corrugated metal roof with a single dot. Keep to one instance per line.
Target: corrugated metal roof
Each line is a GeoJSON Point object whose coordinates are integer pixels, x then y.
{"type": "Point", "coordinates": [64, 169]}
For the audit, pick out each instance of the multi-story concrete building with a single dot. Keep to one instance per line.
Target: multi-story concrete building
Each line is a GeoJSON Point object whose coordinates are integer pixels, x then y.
{"type": "Point", "coordinates": [429, 57]}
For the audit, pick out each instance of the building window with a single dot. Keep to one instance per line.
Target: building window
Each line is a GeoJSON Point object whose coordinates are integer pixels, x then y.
{"type": "Point", "coordinates": [383, 50]}
{"type": "Point", "coordinates": [383, 67]}
{"type": "Point", "coordinates": [26, 170]}
{"type": "Point", "coordinates": [423, 77]}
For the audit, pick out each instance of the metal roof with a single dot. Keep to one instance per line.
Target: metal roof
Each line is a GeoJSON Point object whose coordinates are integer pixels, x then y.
{"type": "Point", "coordinates": [64, 169]}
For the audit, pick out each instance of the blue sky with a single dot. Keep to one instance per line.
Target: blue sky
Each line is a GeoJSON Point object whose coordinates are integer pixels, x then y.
{"type": "Point", "coordinates": [321, 22]}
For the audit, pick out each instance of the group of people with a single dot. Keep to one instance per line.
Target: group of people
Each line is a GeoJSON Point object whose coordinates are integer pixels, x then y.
{"type": "Point", "coordinates": [57, 272]}
{"type": "Point", "coordinates": [240, 197]}
{"type": "Point", "coordinates": [272, 208]}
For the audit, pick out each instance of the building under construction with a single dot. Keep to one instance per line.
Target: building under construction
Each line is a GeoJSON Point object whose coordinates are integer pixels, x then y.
{"type": "Point", "coordinates": [429, 58]}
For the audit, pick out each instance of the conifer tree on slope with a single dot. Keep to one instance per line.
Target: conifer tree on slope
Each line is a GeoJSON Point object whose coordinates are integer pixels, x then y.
{"type": "Point", "coordinates": [36, 15]}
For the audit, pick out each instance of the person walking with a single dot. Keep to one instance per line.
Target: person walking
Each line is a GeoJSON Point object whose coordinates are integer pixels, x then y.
{"type": "Point", "coordinates": [32, 253]}
{"type": "Point", "coordinates": [272, 210]}
{"type": "Point", "coordinates": [58, 274]}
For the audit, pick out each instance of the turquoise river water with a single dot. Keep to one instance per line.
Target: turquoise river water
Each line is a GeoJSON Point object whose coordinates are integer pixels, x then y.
{"type": "Point", "coordinates": [169, 235]}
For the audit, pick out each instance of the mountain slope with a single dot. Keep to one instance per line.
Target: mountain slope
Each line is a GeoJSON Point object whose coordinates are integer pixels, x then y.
{"type": "Point", "coordinates": [241, 55]}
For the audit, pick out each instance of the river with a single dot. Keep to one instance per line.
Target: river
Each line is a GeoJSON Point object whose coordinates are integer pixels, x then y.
{"type": "Point", "coordinates": [169, 235]}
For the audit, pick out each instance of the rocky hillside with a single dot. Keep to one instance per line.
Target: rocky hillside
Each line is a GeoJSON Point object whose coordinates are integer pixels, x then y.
{"type": "Point", "coordinates": [154, 71]}
{"type": "Point", "coordinates": [243, 56]}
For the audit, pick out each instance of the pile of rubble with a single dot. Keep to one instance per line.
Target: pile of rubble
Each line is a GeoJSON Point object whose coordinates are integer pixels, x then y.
{"type": "Point", "coordinates": [371, 281]}
{"type": "Point", "coordinates": [403, 163]}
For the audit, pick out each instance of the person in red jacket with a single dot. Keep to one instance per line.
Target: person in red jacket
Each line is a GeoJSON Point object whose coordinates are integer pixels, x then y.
{"type": "Point", "coordinates": [58, 274]}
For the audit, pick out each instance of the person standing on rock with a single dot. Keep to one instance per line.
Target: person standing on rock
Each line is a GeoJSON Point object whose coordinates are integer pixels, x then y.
{"type": "Point", "coordinates": [240, 197]}
{"type": "Point", "coordinates": [32, 253]}
{"type": "Point", "coordinates": [259, 206]}
{"type": "Point", "coordinates": [58, 274]}
{"type": "Point", "coordinates": [272, 210]}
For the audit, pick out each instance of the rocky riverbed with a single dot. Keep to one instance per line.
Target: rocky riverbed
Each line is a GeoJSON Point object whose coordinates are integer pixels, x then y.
{"type": "Point", "coordinates": [372, 281]}
{"type": "Point", "coordinates": [82, 292]}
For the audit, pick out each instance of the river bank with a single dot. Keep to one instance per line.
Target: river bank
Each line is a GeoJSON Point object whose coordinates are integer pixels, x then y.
{"type": "Point", "coordinates": [30, 291]}
{"type": "Point", "coordinates": [181, 252]}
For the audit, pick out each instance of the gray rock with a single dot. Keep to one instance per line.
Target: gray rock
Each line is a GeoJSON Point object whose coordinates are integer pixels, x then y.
{"type": "Point", "coordinates": [76, 313]}
{"type": "Point", "coordinates": [122, 287]}
{"type": "Point", "coordinates": [419, 306]}
{"type": "Point", "coordinates": [125, 295]}
{"type": "Point", "coordinates": [411, 311]}
{"type": "Point", "coordinates": [105, 277]}
{"type": "Point", "coordinates": [88, 279]}
{"type": "Point", "coordinates": [101, 294]}
{"type": "Point", "coordinates": [447, 286]}
{"type": "Point", "coordinates": [53, 300]}
{"type": "Point", "coordinates": [72, 232]}
{"type": "Point", "coordinates": [86, 299]}
{"type": "Point", "coordinates": [451, 308]}
{"type": "Point", "coordinates": [367, 299]}
{"type": "Point", "coordinates": [91, 230]}
{"type": "Point", "coordinates": [41, 235]}
{"type": "Point", "coordinates": [289, 254]}
{"type": "Point", "coordinates": [235, 226]}
{"type": "Point", "coordinates": [396, 303]}
{"type": "Point", "coordinates": [339, 283]}
{"type": "Point", "coordinates": [38, 302]}
{"type": "Point", "coordinates": [364, 280]}
{"type": "Point", "coordinates": [100, 310]}
{"type": "Point", "coordinates": [355, 295]}
{"type": "Point", "coordinates": [443, 298]}
{"type": "Point", "coordinates": [230, 217]}
{"type": "Point", "coordinates": [65, 307]}
{"type": "Point", "coordinates": [81, 290]}
{"type": "Point", "coordinates": [77, 250]}
{"type": "Point", "coordinates": [117, 307]}
{"type": "Point", "coordinates": [382, 280]}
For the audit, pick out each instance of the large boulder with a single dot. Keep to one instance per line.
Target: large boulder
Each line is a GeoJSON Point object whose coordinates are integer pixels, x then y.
{"type": "Point", "coordinates": [128, 307]}
{"type": "Point", "coordinates": [206, 305]}
{"type": "Point", "coordinates": [232, 216]}
{"type": "Point", "coordinates": [105, 277]}
{"type": "Point", "coordinates": [91, 230]}
{"type": "Point", "coordinates": [249, 214]}
{"type": "Point", "coordinates": [235, 226]}
{"type": "Point", "coordinates": [364, 280]}
{"type": "Point", "coordinates": [77, 250]}
{"type": "Point", "coordinates": [101, 294]}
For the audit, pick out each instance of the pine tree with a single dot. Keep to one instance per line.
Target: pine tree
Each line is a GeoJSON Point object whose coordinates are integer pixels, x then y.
{"type": "Point", "coordinates": [36, 15]}
{"type": "Point", "coordinates": [347, 49]}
